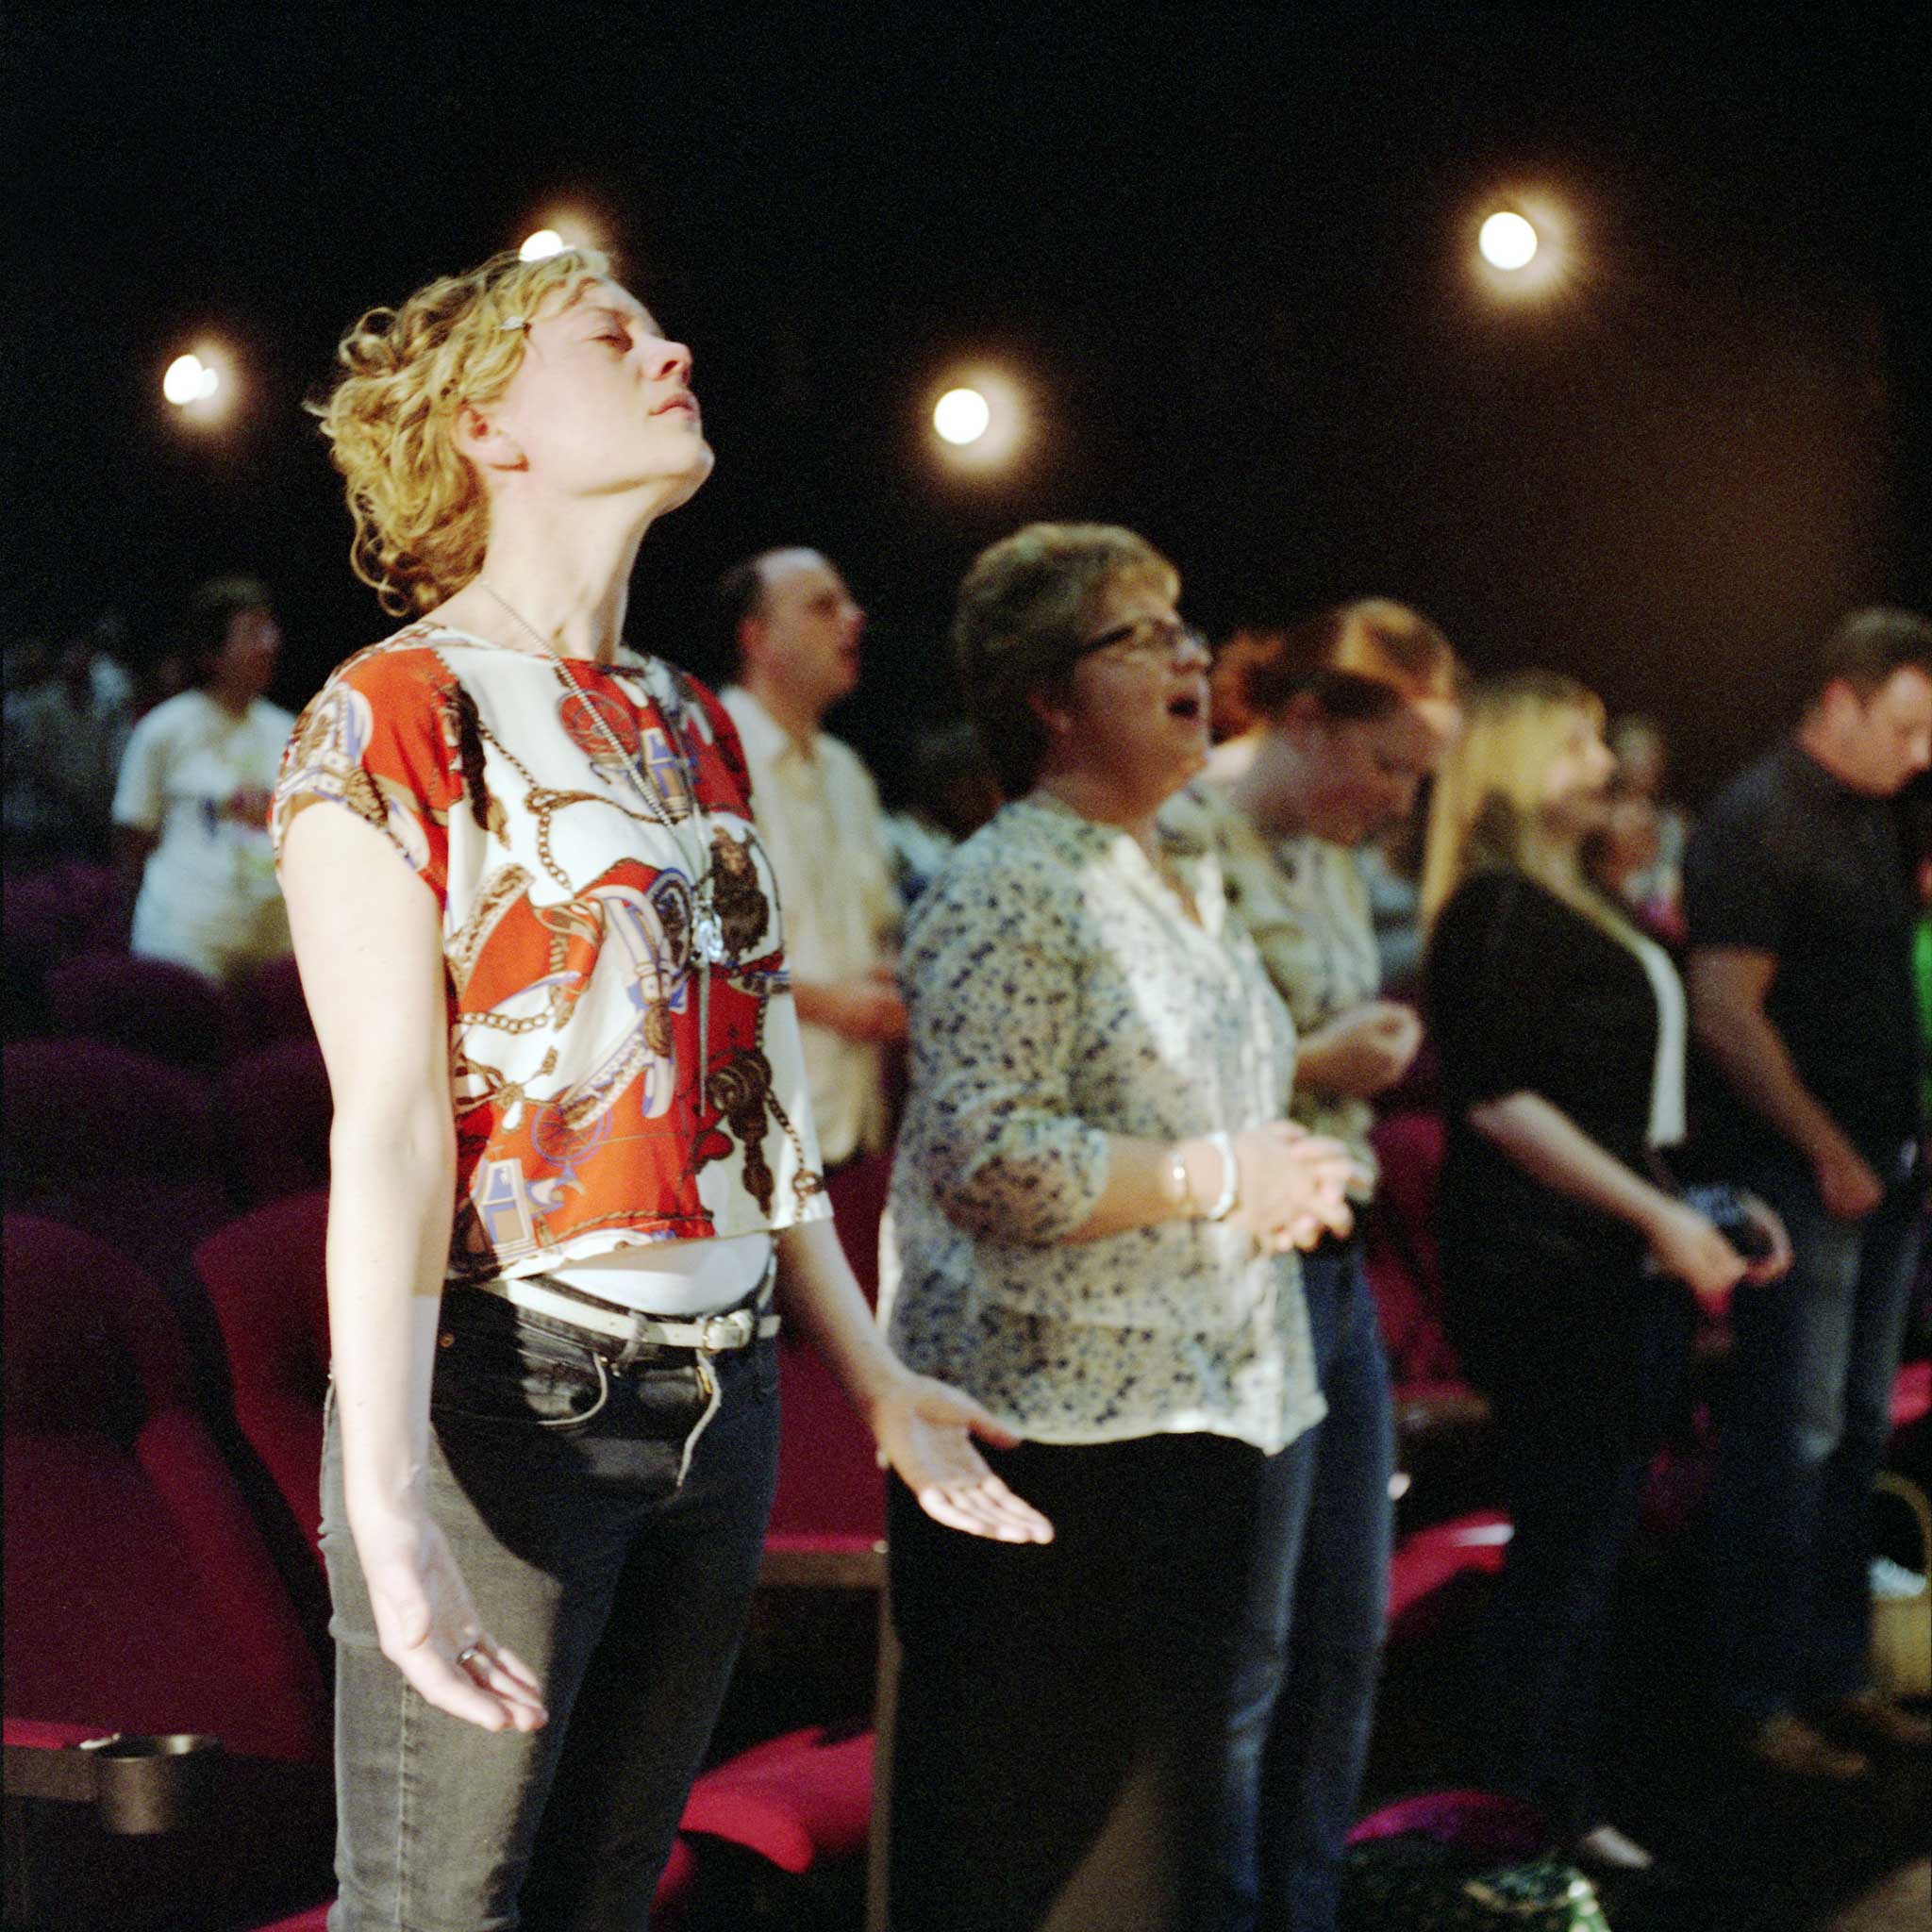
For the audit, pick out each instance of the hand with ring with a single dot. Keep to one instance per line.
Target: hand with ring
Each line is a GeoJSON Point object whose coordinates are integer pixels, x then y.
{"type": "Point", "coordinates": [428, 1628]}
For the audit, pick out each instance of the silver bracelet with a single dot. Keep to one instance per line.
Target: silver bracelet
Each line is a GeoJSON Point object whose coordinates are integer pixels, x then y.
{"type": "Point", "coordinates": [1230, 1177]}
{"type": "Point", "coordinates": [1177, 1171]}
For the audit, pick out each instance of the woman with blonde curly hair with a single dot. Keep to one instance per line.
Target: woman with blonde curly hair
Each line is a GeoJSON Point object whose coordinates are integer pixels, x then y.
{"type": "Point", "coordinates": [574, 1172]}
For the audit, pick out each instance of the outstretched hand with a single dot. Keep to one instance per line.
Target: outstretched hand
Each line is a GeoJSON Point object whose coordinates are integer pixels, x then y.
{"type": "Point", "coordinates": [924, 1431]}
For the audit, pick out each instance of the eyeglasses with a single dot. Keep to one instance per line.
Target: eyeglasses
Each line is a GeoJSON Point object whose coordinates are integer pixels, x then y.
{"type": "Point", "coordinates": [1148, 640]}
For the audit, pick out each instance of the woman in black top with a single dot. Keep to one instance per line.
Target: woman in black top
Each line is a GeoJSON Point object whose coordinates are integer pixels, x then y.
{"type": "Point", "coordinates": [1571, 1263]}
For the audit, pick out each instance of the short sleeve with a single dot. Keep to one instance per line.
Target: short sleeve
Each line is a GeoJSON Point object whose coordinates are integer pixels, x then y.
{"type": "Point", "coordinates": [1490, 989]}
{"type": "Point", "coordinates": [1733, 895]}
{"type": "Point", "coordinates": [384, 737]}
{"type": "Point", "coordinates": [139, 792]}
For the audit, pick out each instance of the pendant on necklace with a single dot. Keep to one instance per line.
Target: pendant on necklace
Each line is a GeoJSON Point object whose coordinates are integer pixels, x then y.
{"type": "Point", "coordinates": [707, 936]}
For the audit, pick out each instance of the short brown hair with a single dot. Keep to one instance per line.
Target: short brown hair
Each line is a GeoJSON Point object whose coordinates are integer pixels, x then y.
{"type": "Point", "coordinates": [1870, 646]}
{"type": "Point", "coordinates": [1024, 611]}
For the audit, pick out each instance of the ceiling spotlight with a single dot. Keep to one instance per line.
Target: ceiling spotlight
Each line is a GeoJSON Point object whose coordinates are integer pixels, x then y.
{"type": "Point", "coordinates": [542, 245]}
{"type": "Point", "coordinates": [962, 416]}
{"type": "Point", "coordinates": [1507, 241]}
{"type": "Point", "coordinates": [980, 420]}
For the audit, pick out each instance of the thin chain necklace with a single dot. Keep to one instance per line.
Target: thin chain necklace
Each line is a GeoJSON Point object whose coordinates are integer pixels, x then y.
{"type": "Point", "coordinates": [707, 932]}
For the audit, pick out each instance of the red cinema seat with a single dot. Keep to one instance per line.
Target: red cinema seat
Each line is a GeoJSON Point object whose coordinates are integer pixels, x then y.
{"type": "Point", "coordinates": [264, 1277]}
{"type": "Point", "coordinates": [138, 1593]}
{"type": "Point", "coordinates": [829, 1519]}
{"type": "Point", "coordinates": [116, 1143]}
{"type": "Point", "coordinates": [1404, 1263]}
{"type": "Point", "coordinates": [1439, 1572]}
{"type": "Point", "coordinates": [151, 1006]}
{"type": "Point", "coordinates": [797, 1801]}
{"type": "Point", "coordinates": [268, 1005]}
{"type": "Point", "coordinates": [275, 1109]}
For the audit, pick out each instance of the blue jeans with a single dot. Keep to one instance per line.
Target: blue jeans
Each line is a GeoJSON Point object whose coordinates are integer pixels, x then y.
{"type": "Point", "coordinates": [1804, 1432]}
{"type": "Point", "coordinates": [556, 1479]}
{"type": "Point", "coordinates": [1320, 1741]}
{"type": "Point", "coordinates": [1081, 1724]}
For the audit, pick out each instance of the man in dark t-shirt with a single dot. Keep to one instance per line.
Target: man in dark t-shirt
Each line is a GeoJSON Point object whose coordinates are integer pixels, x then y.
{"type": "Point", "coordinates": [1801, 912]}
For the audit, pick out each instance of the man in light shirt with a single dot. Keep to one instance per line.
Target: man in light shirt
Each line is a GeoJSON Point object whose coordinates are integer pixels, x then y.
{"type": "Point", "coordinates": [795, 627]}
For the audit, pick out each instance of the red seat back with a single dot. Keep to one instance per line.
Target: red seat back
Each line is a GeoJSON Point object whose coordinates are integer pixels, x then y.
{"type": "Point", "coordinates": [1400, 1253]}
{"type": "Point", "coordinates": [150, 1007]}
{"type": "Point", "coordinates": [274, 1107]}
{"type": "Point", "coordinates": [114, 1143]}
{"type": "Point", "coordinates": [138, 1593]}
{"type": "Point", "coordinates": [265, 1275]}
{"type": "Point", "coordinates": [268, 1005]}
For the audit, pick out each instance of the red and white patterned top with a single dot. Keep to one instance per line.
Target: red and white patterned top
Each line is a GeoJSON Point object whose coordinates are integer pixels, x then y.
{"type": "Point", "coordinates": [608, 1091]}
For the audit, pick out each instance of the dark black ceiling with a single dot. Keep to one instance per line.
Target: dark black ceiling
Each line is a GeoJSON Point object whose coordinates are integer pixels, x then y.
{"type": "Point", "coordinates": [1226, 247]}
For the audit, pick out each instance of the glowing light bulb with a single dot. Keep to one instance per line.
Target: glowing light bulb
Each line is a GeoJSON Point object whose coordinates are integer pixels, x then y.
{"type": "Point", "coordinates": [189, 380]}
{"type": "Point", "coordinates": [962, 416]}
{"type": "Point", "coordinates": [544, 242]}
{"type": "Point", "coordinates": [1507, 241]}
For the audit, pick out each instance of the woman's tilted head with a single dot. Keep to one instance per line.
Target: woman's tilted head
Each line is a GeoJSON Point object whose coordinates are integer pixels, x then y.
{"type": "Point", "coordinates": [544, 371]}
{"type": "Point", "coordinates": [1351, 709]}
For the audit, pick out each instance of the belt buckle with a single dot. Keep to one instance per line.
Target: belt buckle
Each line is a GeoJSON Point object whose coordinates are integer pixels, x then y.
{"type": "Point", "coordinates": [731, 1330]}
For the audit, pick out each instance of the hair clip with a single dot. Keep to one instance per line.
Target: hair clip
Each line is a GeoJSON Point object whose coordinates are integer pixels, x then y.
{"type": "Point", "coordinates": [515, 322]}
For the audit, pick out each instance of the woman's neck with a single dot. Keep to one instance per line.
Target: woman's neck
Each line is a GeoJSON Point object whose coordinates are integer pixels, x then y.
{"type": "Point", "coordinates": [1107, 802]}
{"type": "Point", "coordinates": [554, 577]}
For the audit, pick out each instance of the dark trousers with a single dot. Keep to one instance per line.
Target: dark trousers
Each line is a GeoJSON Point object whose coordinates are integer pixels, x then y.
{"type": "Point", "coordinates": [1081, 1725]}
{"type": "Point", "coordinates": [556, 1481]}
{"type": "Point", "coordinates": [1319, 1744]}
{"type": "Point", "coordinates": [1573, 1470]}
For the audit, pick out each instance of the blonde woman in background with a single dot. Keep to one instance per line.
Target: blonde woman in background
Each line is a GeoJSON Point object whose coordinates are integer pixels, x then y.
{"type": "Point", "coordinates": [1573, 1267]}
{"type": "Point", "coordinates": [572, 1167]}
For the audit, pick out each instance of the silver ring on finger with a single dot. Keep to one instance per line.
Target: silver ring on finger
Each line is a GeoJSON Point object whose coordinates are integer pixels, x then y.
{"type": "Point", "coordinates": [468, 1654]}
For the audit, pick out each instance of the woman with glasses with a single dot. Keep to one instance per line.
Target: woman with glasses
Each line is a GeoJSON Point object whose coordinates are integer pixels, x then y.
{"type": "Point", "coordinates": [1097, 1204]}
{"type": "Point", "coordinates": [572, 1175]}
{"type": "Point", "coordinates": [1350, 711]}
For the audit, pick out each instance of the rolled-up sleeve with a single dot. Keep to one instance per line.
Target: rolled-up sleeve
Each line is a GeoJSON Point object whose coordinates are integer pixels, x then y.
{"type": "Point", "coordinates": [991, 977]}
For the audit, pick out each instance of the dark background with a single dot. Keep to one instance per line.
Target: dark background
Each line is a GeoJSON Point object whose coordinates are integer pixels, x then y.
{"type": "Point", "coordinates": [1227, 248]}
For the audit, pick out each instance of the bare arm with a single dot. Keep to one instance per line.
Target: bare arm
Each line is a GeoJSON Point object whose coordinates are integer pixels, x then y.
{"type": "Point", "coordinates": [1728, 986]}
{"type": "Point", "coordinates": [369, 945]}
{"type": "Point", "coordinates": [1552, 1149]}
{"type": "Point", "coordinates": [867, 1008]}
{"type": "Point", "coordinates": [924, 1430]}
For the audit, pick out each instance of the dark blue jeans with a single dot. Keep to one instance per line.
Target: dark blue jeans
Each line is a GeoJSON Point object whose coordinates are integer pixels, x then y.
{"type": "Point", "coordinates": [556, 1480]}
{"type": "Point", "coordinates": [1081, 1724]}
{"type": "Point", "coordinates": [1319, 1744]}
{"type": "Point", "coordinates": [1804, 1431]}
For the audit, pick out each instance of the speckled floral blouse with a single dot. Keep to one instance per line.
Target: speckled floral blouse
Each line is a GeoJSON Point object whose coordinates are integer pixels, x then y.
{"type": "Point", "coordinates": [1058, 994]}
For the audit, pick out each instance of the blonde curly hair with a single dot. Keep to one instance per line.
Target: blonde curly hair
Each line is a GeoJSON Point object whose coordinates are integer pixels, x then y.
{"type": "Point", "coordinates": [421, 519]}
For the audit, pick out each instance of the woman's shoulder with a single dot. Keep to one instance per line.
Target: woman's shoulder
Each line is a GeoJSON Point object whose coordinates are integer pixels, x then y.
{"type": "Point", "coordinates": [1013, 868]}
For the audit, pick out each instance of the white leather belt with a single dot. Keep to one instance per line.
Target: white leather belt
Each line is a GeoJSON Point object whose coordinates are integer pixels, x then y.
{"type": "Point", "coordinates": [713, 1334]}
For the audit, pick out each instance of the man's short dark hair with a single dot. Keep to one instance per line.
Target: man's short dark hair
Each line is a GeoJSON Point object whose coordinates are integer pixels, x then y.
{"type": "Point", "coordinates": [211, 609]}
{"type": "Point", "coordinates": [1870, 646]}
{"type": "Point", "coordinates": [739, 595]}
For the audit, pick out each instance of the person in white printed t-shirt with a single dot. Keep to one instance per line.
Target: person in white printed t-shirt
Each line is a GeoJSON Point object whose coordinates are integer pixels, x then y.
{"type": "Point", "coordinates": [795, 628]}
{"type": "Point", "coordinates": [190, 808]}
